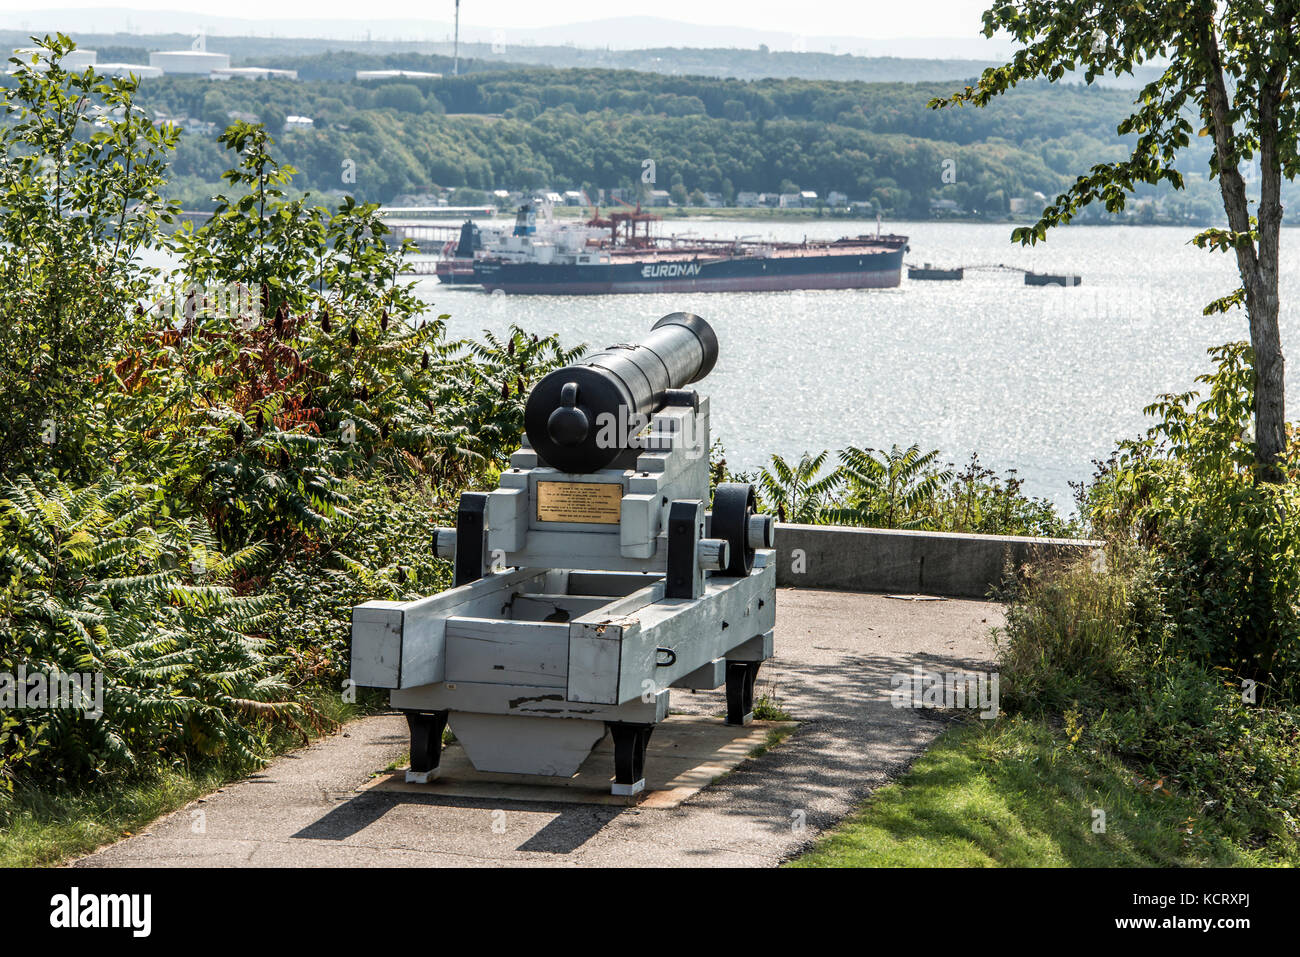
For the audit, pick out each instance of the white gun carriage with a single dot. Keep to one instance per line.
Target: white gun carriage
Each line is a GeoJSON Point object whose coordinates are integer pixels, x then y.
{"type": "Point", "coordinates": [589, 583]}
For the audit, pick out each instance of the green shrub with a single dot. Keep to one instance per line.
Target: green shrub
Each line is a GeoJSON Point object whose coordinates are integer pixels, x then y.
{"type": "Point", "coordinates": [1239, 758]}
{"type": "Point", "coordinates": [81, 169]}
{"type": "Point", "coordinates": [797, 492]}
{"type": "Point", "coordinates": [240, 455]}
{"type": "Point", "coordinates": [1178, 652]}
{"type": "Point", "coordinates": [886, 489]}
{"type": "Point", "coordinates": [1073, 631]}
{"type": "Point", "coordinates": [105, 579]}
{"type": "Point", "coordinates": [1225, 543]}
{"type": "Point", "coordinates": [379, 550]}
{"type": "Point", "coordinates": [1095, 646]}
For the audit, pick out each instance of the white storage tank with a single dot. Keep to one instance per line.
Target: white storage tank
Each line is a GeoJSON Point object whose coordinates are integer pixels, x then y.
{"type": "Point", "coordinates": [189, 62]}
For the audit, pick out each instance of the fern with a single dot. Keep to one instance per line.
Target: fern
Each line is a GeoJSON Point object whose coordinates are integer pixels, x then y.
{"type": "Point", "coordinates": [91, 590]}
{"type": "Point", "coordinates": [799, 492]}
{"type": "Point", "coordinates": [887, 489]}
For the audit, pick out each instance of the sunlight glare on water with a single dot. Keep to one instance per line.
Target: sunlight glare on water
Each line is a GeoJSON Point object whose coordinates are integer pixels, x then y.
{"type": "Point", "coordinates": [1038, 379]}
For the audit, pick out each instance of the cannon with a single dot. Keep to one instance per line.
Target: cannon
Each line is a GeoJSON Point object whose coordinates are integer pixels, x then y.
{"type": "Point", "coordinates": [581, 418]}
{"type": "Point", "coordinates": [590, 582]}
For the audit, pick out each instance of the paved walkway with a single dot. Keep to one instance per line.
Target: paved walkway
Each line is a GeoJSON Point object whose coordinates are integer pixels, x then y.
{"type": "Point", "coordinates": [835, 653]}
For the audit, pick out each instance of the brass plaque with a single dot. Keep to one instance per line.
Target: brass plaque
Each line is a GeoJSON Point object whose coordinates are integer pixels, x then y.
{"type": "Point", "coordinates": [589, 502]}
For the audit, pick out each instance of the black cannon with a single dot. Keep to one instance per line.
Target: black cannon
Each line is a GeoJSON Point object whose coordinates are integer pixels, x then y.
{"type": "Point", "coordinates": [573, 413]}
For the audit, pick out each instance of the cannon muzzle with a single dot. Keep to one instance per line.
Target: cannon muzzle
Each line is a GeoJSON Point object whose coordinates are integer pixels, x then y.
{"type": "Point", "coordinates": [582, 417]}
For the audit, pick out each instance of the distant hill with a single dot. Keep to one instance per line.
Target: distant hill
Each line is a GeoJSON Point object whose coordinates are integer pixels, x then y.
{"type": "Point", "coordinates": [615, 32]}
{"type": "Point", "coordinates": [735, 63]}
{"type": "Point", "coordinates": [744, 64]}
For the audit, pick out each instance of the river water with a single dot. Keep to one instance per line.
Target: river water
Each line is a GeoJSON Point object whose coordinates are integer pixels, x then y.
{"type": "Point", "coordinates": [1038, 379]}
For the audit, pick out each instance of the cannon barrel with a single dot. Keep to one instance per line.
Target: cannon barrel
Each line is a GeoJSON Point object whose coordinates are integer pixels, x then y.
{"type": "Point", "coordinates": [582, 417]}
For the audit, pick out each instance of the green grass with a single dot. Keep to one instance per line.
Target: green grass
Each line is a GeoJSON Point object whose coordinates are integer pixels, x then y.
{"type": "Point", "coordinates": [47, 826]}
{"type": "Point", "coordinates": [768, 708]}
{"type": "Point", "coordinates": [1012, 794]}
{"type": "Point", "coordinates": [774, 737]}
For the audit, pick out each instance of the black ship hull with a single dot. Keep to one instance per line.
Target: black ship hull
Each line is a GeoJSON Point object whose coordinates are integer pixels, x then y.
{"type": "Point", "coordinates": [872, 269]}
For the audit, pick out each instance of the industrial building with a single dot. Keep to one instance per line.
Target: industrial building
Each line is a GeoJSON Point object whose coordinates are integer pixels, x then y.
{"type": "Point", "coordinates": [189, 62]}
{"type": "Point", "coordinates": [179, 62]}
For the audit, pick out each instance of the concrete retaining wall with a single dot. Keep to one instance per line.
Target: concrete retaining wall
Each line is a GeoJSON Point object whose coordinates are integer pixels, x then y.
{"type": "Point", "coordinates": [932, 563]}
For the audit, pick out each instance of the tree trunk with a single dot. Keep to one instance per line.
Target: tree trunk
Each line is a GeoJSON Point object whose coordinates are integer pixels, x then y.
{"type": "Point", "coordinates": [1270, 366]}
{"type": "Point", "coordinates": [1270, 379]}
{"type": "Point", "coordinates": [1258, 266]}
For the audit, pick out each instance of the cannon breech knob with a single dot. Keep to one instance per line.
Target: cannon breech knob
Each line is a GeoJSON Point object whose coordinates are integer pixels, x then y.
{"type": "Point", "coordinates": [568, 425]}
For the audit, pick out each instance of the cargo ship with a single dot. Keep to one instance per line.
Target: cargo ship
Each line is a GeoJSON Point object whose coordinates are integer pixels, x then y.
{"type": "Point", "coordinates": [524, 243]}
{"type": "Point", "coordinates": [624, 257]}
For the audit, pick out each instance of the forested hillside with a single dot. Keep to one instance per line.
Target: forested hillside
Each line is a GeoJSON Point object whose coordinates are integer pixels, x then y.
{"type": "Point", "coordinates": [536, 127]}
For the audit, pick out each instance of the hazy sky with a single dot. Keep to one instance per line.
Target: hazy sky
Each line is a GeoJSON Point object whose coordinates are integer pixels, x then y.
{"type": "Point", "coordinates": [864, 18]}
